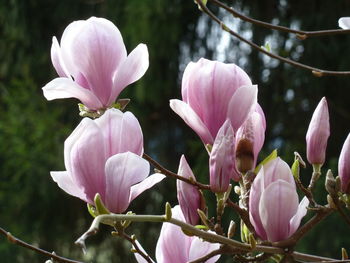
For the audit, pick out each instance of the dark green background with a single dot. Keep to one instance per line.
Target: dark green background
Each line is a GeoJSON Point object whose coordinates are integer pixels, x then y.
{"type": "Point", "coordinates": [32, 130]}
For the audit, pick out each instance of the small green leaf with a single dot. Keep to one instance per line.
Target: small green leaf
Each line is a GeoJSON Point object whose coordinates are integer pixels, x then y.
{"type": "Point", "coordinates": [202, 227]}
{"type": "Point", "coordinates": [272, 156]}
{"type": "Point", "coordinates": [92, 210]}
{"type": "Point", "coordinates": [296, 169]}
{"type": "Point", "coordinates": [100, 207]}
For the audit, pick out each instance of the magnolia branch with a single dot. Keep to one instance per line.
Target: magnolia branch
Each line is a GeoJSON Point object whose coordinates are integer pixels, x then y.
{"type": "Point", "coordinates": [315, 71]}
{"type": "Point", "coordinates": [301, 34]}
{"type": "Point", "coordinates": [207, 236]}
{"type": "Point", "coordinates": [21, 243]}
{"type": "Point", "coordinates": [174, 175]}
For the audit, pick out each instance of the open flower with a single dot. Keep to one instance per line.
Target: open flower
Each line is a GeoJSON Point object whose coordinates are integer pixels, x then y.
{"type": "Point", "coordinates": [93, 65]}
{"type": "Point", "coordinates": [213, 92]}
{"type": "Point", "coordinates": [174, 246]}
{"type": "Point", "coordinates": [273, 202]}
{"type": "Point", "coordinates": [104, 156]}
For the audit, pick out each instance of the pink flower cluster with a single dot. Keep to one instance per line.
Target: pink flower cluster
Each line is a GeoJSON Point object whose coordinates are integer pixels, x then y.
{"type": "Point", "coordinates": [219, 102]}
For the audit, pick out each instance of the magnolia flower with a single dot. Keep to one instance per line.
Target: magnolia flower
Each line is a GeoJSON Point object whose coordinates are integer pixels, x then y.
{"type": "Point", "coordinates": [211, 93]}
{"type": "Point", "coordinates": [344, 166]}
{"type": "Point", "coordinates": [222, 159]}
{"type": "Point", "coordinates": [92, 64]}
{"type": "Point", "coordinates": [344, 22]}
{"type": "Point", "coordinates": [174, 246]}
{"type": "Point", "coordinates": [318, 133]}
{"type": "Point", "coordinates": [188, 195]}
{"type": "Point", "coordinates": [249, 141]}
{"type": "Point", "coordinates": [273, 202]}
{"type": "Point", "coordinates": [104, 156]}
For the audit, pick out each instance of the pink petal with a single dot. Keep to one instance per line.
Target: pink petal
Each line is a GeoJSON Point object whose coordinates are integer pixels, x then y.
{"type": "Point", "coordinates": [131, 70]}
{"type": "Point", "coordinates": [277, 169]}
{"type": "Point", "coordinates": [200, 248]}
{"type": "Point", "coordinates": [241, 105]}
{"type": "Point", "coordinates": [173, 245]}
{"type": "Point", "coordinates": [139, 188]}
{"type": "Point", "coordinates": [61, 88]}
{"type": "Point", "coordinates": [138, 257]}
{"type": "Point", "coordinates": [278, 204]}
{"type": "Point", "coordinates": [66, 183]}
{"type": "Point", "coordinates": [86, 158]}
{"type": "Point", "coordinates": [344, 166]}
{"type": "Point", "coordinates": [121, 131]}
{"type": "Point", "coordinates": [57, 60]}
{"type": "Point", "coordinates": [318, 133]}
{"type": "Point", "coordinates": [208, 86]}
{"type": "Point", "coordinates": [301, 212]}
{"type": "Point", "coordinates": [94, 48]}
{"type": "Point", "coordinates": [254, 200]}
{"type": "Point", "coordinates": [344, 22]}
{"type": "Point", "coordinates": [192, 120]}
{"type": "Point", "coordinates": [122, 171]}
{"type": "Point", "coordinates": [222, 158]}
{"type": "Point", "coordinates": [188, 195]}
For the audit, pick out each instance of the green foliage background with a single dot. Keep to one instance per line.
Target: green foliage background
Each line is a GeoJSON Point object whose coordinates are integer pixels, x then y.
{"type": "Point", "coordinates": [32, 130]}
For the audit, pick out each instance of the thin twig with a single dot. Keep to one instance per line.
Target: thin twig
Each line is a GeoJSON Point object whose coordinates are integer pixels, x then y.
{"type": "Point", "coordinates": [301, 34]}
{"type": "Point", "coordinates": [244, 215]}
{"type": "Point", "coordinates": [171, 174]}
{"type": "Point", "coordinates": [208, 256]}
{"type": "Point", "coordinates": [307, 192]}
{"type": "Point", "coordinates": [21, 243]}
{"type": "Point", "coordinates": [136, 246]}
{"type": "Point", "coordinates": [208, 236]}
{"type": "Point", "coordinates": [340, 210]}
{"type": "Point", "coordinates": [316, 71]}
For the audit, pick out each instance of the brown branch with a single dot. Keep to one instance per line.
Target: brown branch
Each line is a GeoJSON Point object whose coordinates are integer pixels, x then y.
{"type": "Point", "coordinates": [21, 243]}
{"type": "Point", "coordinates": [174, 175]}
{"type": "Point", "coordinates": [301, 34]}
{"type": "Point", "coordinates": [208, 256]}
{"type": "Point", "coordinates": [316, 71]}
{"type": "Point", "coordinates": [135, 246]}
{"type": "Point", "coordinates": [306, 192]}
{"type": "Point", "coordinates": [244, 215]}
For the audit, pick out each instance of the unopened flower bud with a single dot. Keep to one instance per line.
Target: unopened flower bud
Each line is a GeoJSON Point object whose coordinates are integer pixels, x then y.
{"type": "Point", "coordinates": [231, 229]}
{"type": "Point", "coordinates": [344, 166]}
{"type": "Point", "coordinates": [330, 183]}
{"type": "Point", "coordinates": [244, 156]}
{"type": "Point", "coordinates": [221, 161]}
{"type": "Point", "coordinates": [318, 133]}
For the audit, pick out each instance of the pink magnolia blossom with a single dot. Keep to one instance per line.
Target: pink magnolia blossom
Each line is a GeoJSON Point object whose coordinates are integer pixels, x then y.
{"type": "Point", "coordinates": [318, 133]}
{"type": "Point", "coordinates": [222, 159]}
{"type": "Point", "coordinates": [250, 139]}
{"type": "Point", "coordinates": [273, 202]}
{"type": "Point", "coordinates": [174, 246]}
{"type": "Point", "coordinates": [344, 166]}
{"type": "Point", "coordinates": [104, 156]}
{"type": "Point", "coordinates": [344, 22]}
{"type": "Point", "coordinates": [93, 65]}
{"type": "Point", "coordinates": [213, 92]}
{"type": "Point", "coordinates": [188, 195]}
